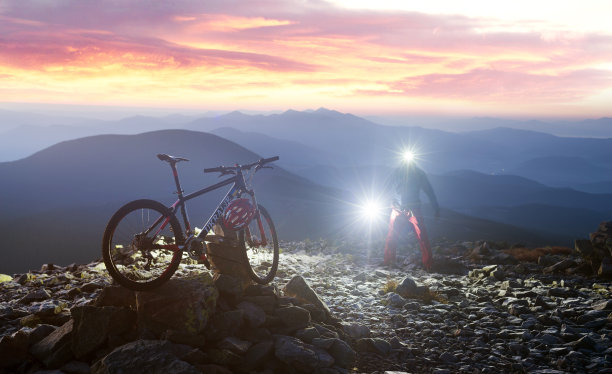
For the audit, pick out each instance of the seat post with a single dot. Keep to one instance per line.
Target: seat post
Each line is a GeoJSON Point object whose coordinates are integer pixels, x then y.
{"type": "Point", "coordinates": [179, 190]}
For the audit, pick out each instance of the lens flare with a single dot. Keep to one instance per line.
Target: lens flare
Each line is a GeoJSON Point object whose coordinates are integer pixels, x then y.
{"type": "Point", "coordinates": [408, 156]}
{"type": "Point", "coordinates": [371, 210]}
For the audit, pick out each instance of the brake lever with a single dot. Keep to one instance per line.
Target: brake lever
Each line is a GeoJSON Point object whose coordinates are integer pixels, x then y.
{"type": "Point", "coordinates": [263, 167]}
{"type": "Point", "coordinates": [227, 172]}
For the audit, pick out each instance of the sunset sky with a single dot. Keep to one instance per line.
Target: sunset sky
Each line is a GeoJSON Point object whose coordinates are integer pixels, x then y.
{"type": "Point", "coordinates": [536, 58]}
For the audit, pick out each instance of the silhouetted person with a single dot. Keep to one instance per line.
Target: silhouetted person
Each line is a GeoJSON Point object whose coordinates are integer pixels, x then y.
{"type": "Point", "coordinates": [408, 181]}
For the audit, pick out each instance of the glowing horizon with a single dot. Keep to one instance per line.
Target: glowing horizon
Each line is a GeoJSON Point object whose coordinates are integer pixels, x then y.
{"type": "Point", "coordinates": [276, 55]}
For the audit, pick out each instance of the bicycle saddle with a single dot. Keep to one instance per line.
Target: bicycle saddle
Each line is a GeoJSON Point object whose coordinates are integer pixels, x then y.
{"type": "Point", "coordinates": [171, 159]}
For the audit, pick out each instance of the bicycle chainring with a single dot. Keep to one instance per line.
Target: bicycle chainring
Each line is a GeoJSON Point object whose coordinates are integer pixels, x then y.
{"type": "Point", "coordinates": [195, 248]}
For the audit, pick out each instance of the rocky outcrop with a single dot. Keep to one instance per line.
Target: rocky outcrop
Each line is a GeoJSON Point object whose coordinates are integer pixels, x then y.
{"type": "Point", "coordinates": [602, 238]}
{"type": "Point", "coordinates": [597, 251]}
{"type": "Point", "coordinates": [191, 324]}
{"type": "Point", "coordinates": [540, 315]}
{"type": "Point", "coordinates": [183, 305]}
{"type": "Point", "coordinates": [146, 356]}
{"type": "Point", "coordinates": [298, 288]}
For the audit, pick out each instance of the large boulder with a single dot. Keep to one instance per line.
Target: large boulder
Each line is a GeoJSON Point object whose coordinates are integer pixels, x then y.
{"type": "Point", "coordinates": [407, 288]}
{"type": "Point", "coordinates": [146, 357]}
{"type": "Point", "coordinates": [294, 317]}
{"type": "Point", "coordinates": [228, 258]}
{"type": "Point", "coordinates": [116, 296]}
{"type": "Point", "coordinates": [184, 305]}
{"type": "Point", "coordinates": [344, 356]}
{"type": "Point", "coordinates": [13, 349]}
{"type": "Point", "coordinates": [304, 357]}
{"type": "Point", "coordinates": [253, 314]}
{"type": "Point", "coordinates": [225, 324]}
{"type": "Point", "coordinates": [55, 349]}
{"type": "Point", "coordinates": [257, 355]}
{"type": "Point", "coordinates": [298, 288]}
{"type": "Point", "coordinates": [92, 326]}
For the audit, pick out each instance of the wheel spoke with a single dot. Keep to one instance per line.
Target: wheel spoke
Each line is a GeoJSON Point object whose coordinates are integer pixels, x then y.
{"type": "Point", "coordinates": [261, 247]}
{"type": "Point", "coordinates": [139, 252]}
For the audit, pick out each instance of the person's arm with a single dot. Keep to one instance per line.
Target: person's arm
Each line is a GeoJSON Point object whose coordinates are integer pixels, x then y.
{"type": "Point", "coordinates": [389, 188]}
{"type": "Point", "coordinates": [430, 193]}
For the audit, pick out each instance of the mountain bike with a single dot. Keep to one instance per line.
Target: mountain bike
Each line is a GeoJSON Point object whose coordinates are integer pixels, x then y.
{"type": "Point", "coordinates": [143, 243]}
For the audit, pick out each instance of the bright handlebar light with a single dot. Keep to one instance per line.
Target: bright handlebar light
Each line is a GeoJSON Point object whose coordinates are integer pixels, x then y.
{"type": "Point", "coordinates": [408, 156]}
{"type": "Point", "coordinates": [371, 210]}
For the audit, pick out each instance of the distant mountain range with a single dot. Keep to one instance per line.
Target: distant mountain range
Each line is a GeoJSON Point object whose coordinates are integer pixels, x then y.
{"type": "Point", "coordinates": [587, 128]}
{"type": "Point", "coordinates": [494, 184]}
{"type": "Point", "coordinates": [55, 204]}
{"type": "Point", "coordinates": [295, 155]}
{"type": "Point", "coordinates": [552, 160]}
{"type": "Point", "coordinates": [326, 137]}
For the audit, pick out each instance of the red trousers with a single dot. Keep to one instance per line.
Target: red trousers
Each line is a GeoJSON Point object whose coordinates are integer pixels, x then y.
{"type": "Point", "coordinates": [399, 219]}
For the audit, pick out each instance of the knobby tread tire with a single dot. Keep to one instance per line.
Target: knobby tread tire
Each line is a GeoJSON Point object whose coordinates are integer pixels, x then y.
{"type": "Point", "coordinates": [107, 242]}
{"type": "Point", "coordinates": [272, 273]}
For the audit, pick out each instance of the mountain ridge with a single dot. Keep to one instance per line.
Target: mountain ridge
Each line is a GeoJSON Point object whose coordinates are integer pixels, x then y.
{"type": "Point", "coordinates": [499, 150]}
{"type": "Point", "coordinates": [73, 187]}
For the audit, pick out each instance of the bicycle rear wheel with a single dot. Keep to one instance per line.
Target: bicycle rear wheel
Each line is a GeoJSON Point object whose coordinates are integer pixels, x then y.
{"type": "Point", "coordinates": [140, 246]}
{"type": "Point", "coordinates": [260, 247]}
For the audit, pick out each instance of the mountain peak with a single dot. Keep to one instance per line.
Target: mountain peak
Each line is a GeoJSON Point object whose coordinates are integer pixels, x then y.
{"type": "Point", "coordinates": [235, 114]}
{"type": "Point", "coordinates": [320, 111]}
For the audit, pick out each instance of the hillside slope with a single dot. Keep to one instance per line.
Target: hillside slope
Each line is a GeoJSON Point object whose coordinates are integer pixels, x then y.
{"type": "Point", "coordinates": [55, 203]}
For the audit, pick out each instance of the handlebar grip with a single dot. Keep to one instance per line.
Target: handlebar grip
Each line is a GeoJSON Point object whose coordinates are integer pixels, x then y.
{"type": "Point", "coordinates": [214, 170]}
{"type": "Point", "coordinates": [266, 160]}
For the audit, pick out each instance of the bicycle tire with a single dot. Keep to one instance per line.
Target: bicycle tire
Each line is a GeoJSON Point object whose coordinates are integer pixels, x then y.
{"type": "Point", "coordinates": [256, 260]}
{"type": "Point", "coordinates": [124, 257]}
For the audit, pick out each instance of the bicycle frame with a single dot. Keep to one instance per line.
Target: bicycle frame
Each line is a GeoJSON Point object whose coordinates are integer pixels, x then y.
{"type": "Point", "coordinates": [237, 189]}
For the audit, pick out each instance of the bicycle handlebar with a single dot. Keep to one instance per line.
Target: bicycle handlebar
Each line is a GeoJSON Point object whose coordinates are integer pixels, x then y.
{"type": "Point", "coordinates": [224, 169]}
{"type": "Point", "coordinates": [213, 170]}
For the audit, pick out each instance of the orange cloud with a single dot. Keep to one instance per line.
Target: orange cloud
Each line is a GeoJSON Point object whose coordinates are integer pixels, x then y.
{"type": "Point", "coordinates": [223, 22]}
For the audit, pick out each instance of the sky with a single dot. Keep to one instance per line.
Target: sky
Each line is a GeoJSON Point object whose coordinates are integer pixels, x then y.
{"type": "Point", "coordinates": [486, 58]}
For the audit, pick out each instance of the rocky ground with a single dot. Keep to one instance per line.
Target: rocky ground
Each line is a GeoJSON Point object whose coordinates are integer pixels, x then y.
{"type": "Point", "coordinates": [480, 311]}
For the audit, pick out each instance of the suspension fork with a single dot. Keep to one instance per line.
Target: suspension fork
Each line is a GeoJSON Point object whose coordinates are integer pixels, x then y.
{"type": "Point", "coordinates": [264, 240]}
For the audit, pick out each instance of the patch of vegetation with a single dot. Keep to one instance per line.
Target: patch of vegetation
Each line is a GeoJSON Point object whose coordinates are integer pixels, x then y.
{"type": "Point", "coordinates": [390, 286]}
{"type": "Point", "coordinates": [428, 296]}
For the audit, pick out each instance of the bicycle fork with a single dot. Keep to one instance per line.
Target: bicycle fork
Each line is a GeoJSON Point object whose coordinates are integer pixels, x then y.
{"type": "Point", "coordinates": [247, 231]}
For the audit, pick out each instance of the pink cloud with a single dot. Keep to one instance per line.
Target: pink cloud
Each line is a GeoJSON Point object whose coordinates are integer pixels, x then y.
{"type": "Point", "coordinates": [494, 86]}
{"type": "Point", "coordinates": [408, 58]}
{"type": "Point", "coordinates": [190, 20]}
{"type": "Point", "coordinates": [44, 46]}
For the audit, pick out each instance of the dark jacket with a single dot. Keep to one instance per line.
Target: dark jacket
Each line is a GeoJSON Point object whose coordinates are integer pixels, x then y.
{"type": "Point", "coordinates": [407, 181]}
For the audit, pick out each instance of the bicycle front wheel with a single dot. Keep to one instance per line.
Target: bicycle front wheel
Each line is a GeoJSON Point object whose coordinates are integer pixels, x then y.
{"type": "Point", "coordinates": [260, 247]}
{"type": "Point", "coordinates": [141, 243]}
